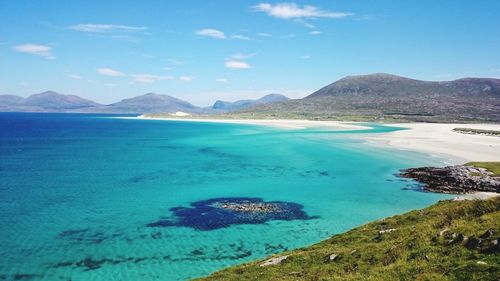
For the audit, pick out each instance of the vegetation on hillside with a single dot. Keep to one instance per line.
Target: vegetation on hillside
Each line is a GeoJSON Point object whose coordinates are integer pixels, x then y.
{"type": "Point", "coordinates": [384, 96]}
{"type": "Point", "coordinates": [493, 167]}
{"type": "Point", "coordinates": [477, 132]}
{"type": "Point", "coordinates": [451, 240]}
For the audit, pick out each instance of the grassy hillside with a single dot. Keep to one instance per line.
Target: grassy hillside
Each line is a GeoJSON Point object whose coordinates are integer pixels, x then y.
{"type": "Point", "coordinates": [389, 97]}
{"type": "Point", "coordinates": [426, 244]}
{"type": "Point", "coordinates": [493, 167]}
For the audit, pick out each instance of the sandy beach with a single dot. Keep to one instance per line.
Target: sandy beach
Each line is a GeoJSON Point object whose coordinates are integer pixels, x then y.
{"type": "Point", "coordinates": [439, 139]}
{"type": "Point", "coordinates": [280, 123]}
{"type": "Point", "coordinates": [432, 138]}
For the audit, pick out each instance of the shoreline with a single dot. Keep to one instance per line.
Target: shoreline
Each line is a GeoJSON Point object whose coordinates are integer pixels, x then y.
{"type": "Point", "coordinates": [434, 139]}
{"type": "Point", "coordinates": [439, 139]}
{"type": "Point", "coordinates": [289, 124]}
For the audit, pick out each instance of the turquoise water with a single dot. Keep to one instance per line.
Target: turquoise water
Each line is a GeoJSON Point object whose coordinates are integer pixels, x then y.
{"type": "Point", "coordinates": [78, 191]}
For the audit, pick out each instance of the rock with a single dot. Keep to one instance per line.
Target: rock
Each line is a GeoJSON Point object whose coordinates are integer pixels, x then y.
{"type": "Point", "coordinates": [454, 179]}
{"type": "Point", "coordinates": [386, 231]}
{"type": "Point", "coordinates": [493, 247]}
{"type": "Point", "coordinates": [458, 238]}
{"type": "Point", "coordinates": [332, 257]}
{"type": "Point", "coordinates": [488, 234]}
{"type": "Point", "coordinates": [442, 232]}
{"type": "Point", "coordinates": [473, 243]}
{"type": "Point", "coordinates": [274, 261]}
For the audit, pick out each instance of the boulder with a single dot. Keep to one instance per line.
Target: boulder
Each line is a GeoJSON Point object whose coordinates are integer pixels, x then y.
{"type": "Point", "coordinates": [274, 261]}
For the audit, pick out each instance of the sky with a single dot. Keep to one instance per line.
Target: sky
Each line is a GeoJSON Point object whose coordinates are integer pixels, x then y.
{"type": "Point", "coordinates": [202, 51]}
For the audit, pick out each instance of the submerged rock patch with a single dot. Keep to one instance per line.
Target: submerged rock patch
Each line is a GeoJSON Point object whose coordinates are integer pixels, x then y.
{"type": "Point", "coordinates": [223, 212]}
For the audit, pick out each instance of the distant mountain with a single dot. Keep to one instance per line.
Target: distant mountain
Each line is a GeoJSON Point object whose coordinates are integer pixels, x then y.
{"type": "Point", "coordinates": [151, 103]}
{"type": "Point", "coordinates": [56, 101]}
{"type": "Point", "coordinates": [387, 85]}
{"type": "Point", "coordinates": [389, 97]}
{"type": "Point", "coordinates": [9, 100]}
{"type": "Point", "coordinates": [48, 101]}
{"type": "Point", "coordinates": [225, 106]}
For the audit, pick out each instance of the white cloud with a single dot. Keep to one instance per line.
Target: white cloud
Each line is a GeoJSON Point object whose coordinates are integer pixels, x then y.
{"type": "Point", "coordinates": [240, 37]}
{"type": "Point", "coordinates": [293, 11]}
{"type": "Point", "coordinates": [166, 68]}
{"type": "Point", "coordinates": [242, 56]}
{"type": "Point", "coordinates": [234, 64]}
{"type": "Point", "coordinates": [148, 78]}
{"type": "Point", "coordinates": [109, 84]}
{"type": "Point", "coordinates": [263, 34]}
{"type": "Point", "coordinates": [110, 72]}
{"type": "Point", "coordinates": [315, 32]}
{"type": "Point", "coordinates": [222, 80]}
{"type": "Point", "coordinates": [186, 78]}
{"type": "Point", "coordinates": [34, 49]}
{"type": "Point", "coordinates": [305, 57]}
{"type": "Point", "coordinates": [74, 76]}
{"type": "Point", "coordinates": [209, 32]}
{"type": "Point", "coordinates": [106, 28]}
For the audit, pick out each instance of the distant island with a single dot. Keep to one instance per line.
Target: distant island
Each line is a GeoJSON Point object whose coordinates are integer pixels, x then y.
{"type": "Point", "coordinates": [373, 97]}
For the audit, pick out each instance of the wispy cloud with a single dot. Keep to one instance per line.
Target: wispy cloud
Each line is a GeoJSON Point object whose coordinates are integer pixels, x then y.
{"type": "Point", "coordinates": [221, 80]}
{"type": "Point", "coordinates": [106, 28]}
{"type": "Point", "coordinates": [74, 76]}
{"type": "Point", "coordinates": [110, 72]}
{"type": "Point", "coordinates": [142, 78]}
{"type": "Point", "coordinates": [148, 78]}
{"type": "Point", "coordinates": [242, 56]}
{"type": "Point", "coordinates": [263, 34]}
{"type": "Point", "coordinates": [235, 64]}
{"type": "Point", "coordinates": [213, 33]}
{"type": "Point", "coordinates": [240, 37]}
{"type": "Point", "coordinates": [315, 32]}
{"type": "Point", "coordinates": [34, 49]}
{"type": "Point", "coordinates": [175, 61]}
{"type": "Point", "coordinates": [186, 78]}
{"type": "Point", "coordinates": [305, 57]}
{"type": "Point", "coordinates": [293, 11]}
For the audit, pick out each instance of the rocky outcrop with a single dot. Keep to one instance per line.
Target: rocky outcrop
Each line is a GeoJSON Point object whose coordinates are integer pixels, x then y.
{"type": "Point", "coordinates": [274, 261]}
{"type": "Point", "coordinates": [454, 179]}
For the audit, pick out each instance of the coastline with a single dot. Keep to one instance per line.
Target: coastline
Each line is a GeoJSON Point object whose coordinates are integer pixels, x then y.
{"type": "Point", "coordinates": [279, 123]}
{"type": "Point", "coordinates": [439, 139]}
{"type": "Point", "coordinates": [435, 139]}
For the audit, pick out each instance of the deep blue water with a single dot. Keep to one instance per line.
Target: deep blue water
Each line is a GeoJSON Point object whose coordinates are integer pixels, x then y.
{"type": "Point", "coordinates": [79, 193]}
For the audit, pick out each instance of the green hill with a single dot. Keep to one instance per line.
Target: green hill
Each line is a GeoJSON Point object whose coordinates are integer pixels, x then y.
{"type": "Point", "coordinates": [389, 97]}
{"type": "Point", "coordinates": [451, 240]}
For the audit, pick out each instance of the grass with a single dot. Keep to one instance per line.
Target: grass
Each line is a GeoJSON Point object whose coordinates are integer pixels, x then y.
{"type": "Point", "coordinates": [477, 131]}
{"type": "Point", "coordinates": [493, 167]}
{"type": "Point", "coordinates": [415, 250]}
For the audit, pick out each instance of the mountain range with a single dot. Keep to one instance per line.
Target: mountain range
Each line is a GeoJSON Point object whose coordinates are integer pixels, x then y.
{"type": "Point", "coordinates": [389, 97]}
{"type": "Point", "coordinates": [51, 101]}
{"type": "Point", "coordinates": [372, 97]}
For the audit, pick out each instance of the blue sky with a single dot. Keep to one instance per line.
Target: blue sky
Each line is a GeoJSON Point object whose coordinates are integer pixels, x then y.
{"type": "Point", "coordinates": [201, 51]}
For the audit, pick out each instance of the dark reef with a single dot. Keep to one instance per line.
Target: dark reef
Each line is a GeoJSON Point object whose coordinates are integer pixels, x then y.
{"type": "Point", "coordinates": [223, 212]}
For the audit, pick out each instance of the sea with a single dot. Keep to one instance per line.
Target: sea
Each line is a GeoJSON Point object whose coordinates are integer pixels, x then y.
{"type": "Point", "coordinates": [99, 197]}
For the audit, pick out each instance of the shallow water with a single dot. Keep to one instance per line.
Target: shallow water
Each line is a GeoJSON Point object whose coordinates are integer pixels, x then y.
{"type": "Point", "coordinates": [77, 193]}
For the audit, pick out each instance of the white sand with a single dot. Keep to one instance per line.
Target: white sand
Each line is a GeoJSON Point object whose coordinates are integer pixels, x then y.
{"type": "Point", "coordinates": [431, 138]}
{"type": "Point", "coordinates": [286, 124]}
{"type": "Point", "coordinates": [439, 139]}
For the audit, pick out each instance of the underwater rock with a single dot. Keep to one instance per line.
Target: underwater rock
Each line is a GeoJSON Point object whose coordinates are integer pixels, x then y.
{"type": "Point", "coordinates": [223, 212]}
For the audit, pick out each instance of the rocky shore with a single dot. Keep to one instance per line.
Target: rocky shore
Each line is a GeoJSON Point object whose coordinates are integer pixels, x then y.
{"type": "Point", "coordinates": [458, 179]}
